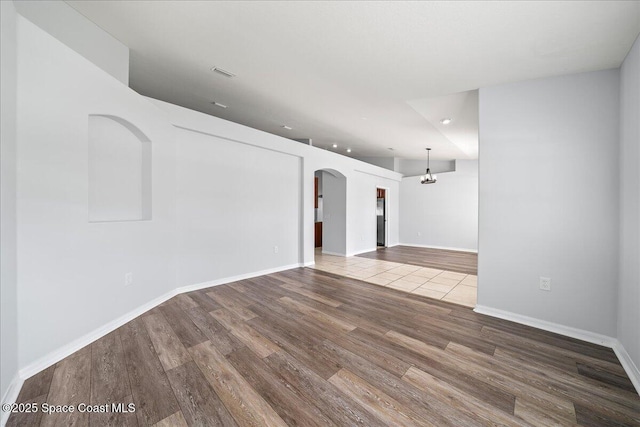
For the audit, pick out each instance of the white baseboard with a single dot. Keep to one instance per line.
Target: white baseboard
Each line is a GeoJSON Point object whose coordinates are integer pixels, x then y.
{"type": "Point", "coordinates": [309, 264]}
{"type": "Point", "coordinates": [333, 253]}
{"type": "Point", "coordinates": [627, 363]}
{"type": "Point", "coordinates": [567, 331]}
{"type": "Point", "coordinates": [10, 396]}
{"type": "Point", "coordinates": [448, 248]}
{"type": "Point", "coordinates": [198, 286]}
{"type": "Point", "coordinates": [348, 254]}
{"type": "Point", "coordinates": [62, 352]}
{"type": "Point", "coordinates": [363, 251]}
{"type": "Point", "coordinates": [625, 360]}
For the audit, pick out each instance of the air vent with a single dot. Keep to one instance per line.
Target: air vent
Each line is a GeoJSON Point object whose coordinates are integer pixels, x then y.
{"type": "Point", "coordinates": [223, 72]}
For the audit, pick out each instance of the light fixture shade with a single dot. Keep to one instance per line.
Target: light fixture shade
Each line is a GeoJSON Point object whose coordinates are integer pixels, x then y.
{"type": "Point", "coordinates": [428, 178]}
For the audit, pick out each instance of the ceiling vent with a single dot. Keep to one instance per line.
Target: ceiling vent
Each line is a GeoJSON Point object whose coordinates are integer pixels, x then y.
{"type": "Point", "coordinates": [223, 72]}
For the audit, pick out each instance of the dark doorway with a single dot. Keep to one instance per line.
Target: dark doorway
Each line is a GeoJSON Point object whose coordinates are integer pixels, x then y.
{"type": "Point", "coordinates": [317, 201]}
{"type": "Point", "coordinates": [381, 213]}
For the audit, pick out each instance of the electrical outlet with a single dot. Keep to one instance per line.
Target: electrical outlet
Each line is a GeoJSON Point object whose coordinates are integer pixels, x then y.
{"type": "Point", "coordinates": [275, 249]}
{"type": "Point", "coordinates": [545, 283]}
{"type": "Point", "coordinates": [419, 234]}
{"type": "Point", "coordinates": [128, 279]}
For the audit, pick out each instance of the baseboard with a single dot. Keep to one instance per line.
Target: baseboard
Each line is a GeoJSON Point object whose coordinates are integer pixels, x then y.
{"type": "Point", "coordinates": [59, 354]}
{"type": "Point", "coordinates": [557, 328]}
{"type": "Point", "coordinates": [448, 248]}
{"type": "Point", "coordinates": [309, 264]}
{"type": "Point", "coordinates": [10, 396]}
{"type": "Point", "coordinates": [333, 253]}
{"type": "Point", "coordinates": [625, 360]}
{"type": "Point", "coordinates": [363, 251]}
{"type": "Point", "coordinates": [198, 286]}
{"type": "Point", "coordinates": [627, 363]}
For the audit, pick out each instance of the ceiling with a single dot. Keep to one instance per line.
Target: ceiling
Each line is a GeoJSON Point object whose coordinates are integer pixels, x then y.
{"type": "Point", "coordinates": [369, 76]}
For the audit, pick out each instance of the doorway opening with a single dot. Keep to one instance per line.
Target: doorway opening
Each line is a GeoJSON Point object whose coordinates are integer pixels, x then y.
{"type": "Point", "coordinates": [381, 217]}
{"type": "Point", "coordinates": [330, 212]}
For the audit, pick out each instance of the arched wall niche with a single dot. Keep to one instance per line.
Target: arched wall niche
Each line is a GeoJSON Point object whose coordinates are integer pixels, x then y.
{"type": "Point", "coordinates": [119, 167]}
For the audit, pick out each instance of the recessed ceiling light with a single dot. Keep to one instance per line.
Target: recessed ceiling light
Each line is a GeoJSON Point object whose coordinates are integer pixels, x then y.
{"type": "Point", "coordinates": [445, 121]}
{"type": "Point", "coordinates": [217, 104]}
{"type": "Point", "coordinates": [390, 149]}
{"type": "Point", "coordinates": [286, 127]}
{"type": "Point", "coordinates": [335, 145]}
{"type": "Point", "coordinates": [348, 150]}
{"type": "Point", "coordinates": [222, 72]}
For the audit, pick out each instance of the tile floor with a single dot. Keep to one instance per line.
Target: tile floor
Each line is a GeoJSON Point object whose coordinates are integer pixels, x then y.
{"type": "Point", "coordinates": [458, 288]}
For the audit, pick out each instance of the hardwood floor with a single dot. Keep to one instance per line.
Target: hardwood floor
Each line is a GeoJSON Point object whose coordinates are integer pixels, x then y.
{"type": "Point", "coordinates": [306, 347]}
{"type": "Point", "coordinates": [460, 262]}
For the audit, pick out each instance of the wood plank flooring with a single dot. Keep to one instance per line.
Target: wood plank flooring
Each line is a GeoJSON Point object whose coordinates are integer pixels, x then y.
{"type": "Point", "coordinates": [460, 262]}
{"type": "Point", "coordinates": [309, 348]}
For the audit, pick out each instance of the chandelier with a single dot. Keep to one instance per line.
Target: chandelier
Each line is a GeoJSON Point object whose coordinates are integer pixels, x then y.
{"type": "Point", "coordinates": [428, 178]}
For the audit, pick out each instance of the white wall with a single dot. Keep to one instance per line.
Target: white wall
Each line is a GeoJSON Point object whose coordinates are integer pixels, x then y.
{"type": "Point", "coordinates": [362, 178]}
{"type": "Point", "coordinates": [334, 208]}
{"type": "Point", "coordinates": [383, 162]}
{"type": "Point", "coordinates": [119, 171]}
{"type": "Point", "coordinates": [362, 225]}
{"type": "Point", "coordinates": [236, 202]}
{"type": "Point", "coordinates": [412, 167]}
{"type": "Point", "coordinates": [444, 214]}
{"type": "Point", "coordinates": [71, 28]}
{"type": "Point", "coordinates": [629, 292]}
{"type": "Point", "coordinates": [8, 276]}
{"type": "Point", "coordinates": [71, 272]}
{"type": "Point", "coordinates": [549, 202]}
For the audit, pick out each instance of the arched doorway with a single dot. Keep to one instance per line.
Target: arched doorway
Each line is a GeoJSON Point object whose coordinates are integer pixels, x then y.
{"type": "Point", "coordinates": [330, 212]}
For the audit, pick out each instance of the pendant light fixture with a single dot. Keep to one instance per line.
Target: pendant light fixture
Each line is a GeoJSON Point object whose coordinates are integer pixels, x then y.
{"type": "Point", "coordinates": [428, 178]}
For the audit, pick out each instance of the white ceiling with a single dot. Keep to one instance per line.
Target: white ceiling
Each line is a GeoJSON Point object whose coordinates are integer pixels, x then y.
{"type": "Point", "coordinates": [364, 75]}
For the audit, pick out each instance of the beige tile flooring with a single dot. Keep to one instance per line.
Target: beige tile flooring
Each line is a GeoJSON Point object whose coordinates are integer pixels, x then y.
{"type": "Point", "coordinates": [448, 286]}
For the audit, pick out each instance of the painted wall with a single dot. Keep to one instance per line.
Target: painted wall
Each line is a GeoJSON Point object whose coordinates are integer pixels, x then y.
{"type": "Point", "coordinates": [362, 178]}
{"type": "Point", "coordinates": [414, 167]}
{"type": "Point", "coordinates": [334, 208]}
{"type": "Point", "coordinates": [444, 214]}
{"type": "Point", "coordinates": [549, 202]}
{"type": "Point", "coordinates": [361, 212]}
{"type": "Point", "coordinates": [119, 170]}
{"type": "Point", "coordinates": [71, 272]}
{"type": "Point", "coordinates": [8, 222]}
{"type": "Point", "coordinates": [383, 162]}
{"type": "Point", "coordinates": [71, 28]}
{"type": "Point", "coordinates": [629, 292]}
{"type": "Point", "coordinates": [235, 204]}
